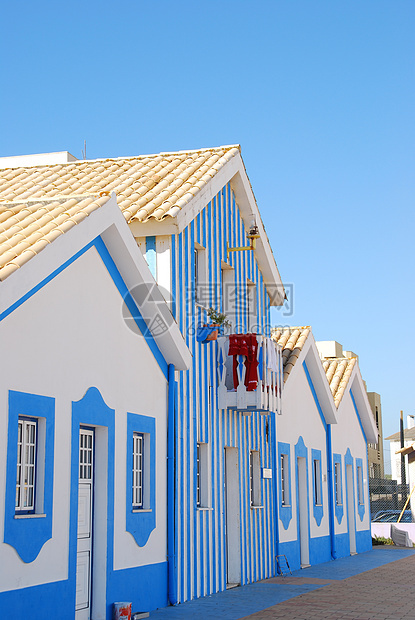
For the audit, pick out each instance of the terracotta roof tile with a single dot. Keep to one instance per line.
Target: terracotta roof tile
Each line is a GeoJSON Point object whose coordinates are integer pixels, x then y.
{"type": "Point", "coordinates": [147, 186]}
{"type": "Point", "coordinates": [25, 230]}
{"type": "Point", "coordinates": [338, 371]}
{"type": "Point", "coordinates": [40, 203]}
{"type": "Point", "coordinates": [292, 340]}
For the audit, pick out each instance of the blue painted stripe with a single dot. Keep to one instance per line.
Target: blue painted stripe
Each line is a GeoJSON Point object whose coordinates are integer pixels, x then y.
{"type": "Point", "coordinates": [109, 263]}
{"type": "Point", "coordinates": [358, 416]}
{"type": "Point", "coordinates": [151, 255]}
{"type": "Point", "coordinates": [313, 391]}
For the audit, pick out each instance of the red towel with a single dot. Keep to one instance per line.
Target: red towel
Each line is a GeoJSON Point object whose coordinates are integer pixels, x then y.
{"type": "Point", "coordinates": [245, 344]}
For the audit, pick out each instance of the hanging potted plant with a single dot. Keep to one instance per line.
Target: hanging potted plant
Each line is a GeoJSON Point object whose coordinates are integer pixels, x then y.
{"type": "Point", "coordinates": [210, 332]}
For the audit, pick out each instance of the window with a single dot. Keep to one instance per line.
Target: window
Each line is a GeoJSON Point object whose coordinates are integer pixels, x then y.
{"type": "Point", "coordinates": [255, 478]}
{"type": "Point", "coordinates": [138, 470]}
{"type": "Point", "coordinates": [285, 495]}
{"type": "Point", "coordinates": [199, 276]}
{"type": "Point", "coordinates": [26, 465]}
{"type": "Point", "coordinates": [360, 484]}
{"type": "Point", "coordinates": [252, 319]}
{"type": "Point", "coordinates": [229, 296]}
{"type": "Point", "coordinates": [338, 483]}
{"type": "Point", "coordinates": [202, 475]}
{"type": "Point", "coordinates": [317, 481]}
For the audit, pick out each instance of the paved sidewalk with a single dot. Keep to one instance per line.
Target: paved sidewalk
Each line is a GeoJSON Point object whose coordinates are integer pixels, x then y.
{"type": "Point", "coordinates": [377, 585]}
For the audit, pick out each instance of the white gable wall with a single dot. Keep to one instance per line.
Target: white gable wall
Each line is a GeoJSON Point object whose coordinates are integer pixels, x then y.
{"type": "Point", "coordinates": [66, 338]}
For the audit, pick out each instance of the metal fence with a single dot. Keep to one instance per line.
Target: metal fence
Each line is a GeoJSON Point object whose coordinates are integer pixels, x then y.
{"type": "Point", "coordinates": [389, 497]}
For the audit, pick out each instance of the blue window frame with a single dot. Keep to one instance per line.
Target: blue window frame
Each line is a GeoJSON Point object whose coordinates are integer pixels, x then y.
{"type": "Point", "coordinates": [360, 489]}
{"type": "Point", "coordinates": [29, 478]}
{"type": "Point", "coordinates": [284, 462]}
{"type": "Point", "coordinates": [318, 509]}
{"type": "Point", "coordinates": [141, 496]}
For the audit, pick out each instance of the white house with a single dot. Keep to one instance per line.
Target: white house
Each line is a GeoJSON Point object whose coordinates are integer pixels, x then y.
{"type": "Point", "coordinates": [86, 387]}
{"type": "Point", "coordinates": [322, 436]}
{"type": "Point", "coordinates": [194, 217]}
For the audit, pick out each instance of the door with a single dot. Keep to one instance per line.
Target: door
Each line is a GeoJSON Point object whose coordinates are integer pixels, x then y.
{"type": "Point", "coordinates": [350, 509]}
{"type": "Point", "coordinates": [85, 516]}
{"type": "Point", "coordinates": [303, 511]}
{"type": "Point", "coordinates": [233, 518]}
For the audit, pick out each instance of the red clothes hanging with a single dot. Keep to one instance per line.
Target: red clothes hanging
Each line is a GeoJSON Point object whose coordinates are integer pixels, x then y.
{"type": "Point", "coordinates": [245, 344]}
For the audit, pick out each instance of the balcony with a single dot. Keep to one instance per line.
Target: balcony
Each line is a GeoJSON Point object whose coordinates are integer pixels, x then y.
{"type": "Point", "coordinates": [250, 373]}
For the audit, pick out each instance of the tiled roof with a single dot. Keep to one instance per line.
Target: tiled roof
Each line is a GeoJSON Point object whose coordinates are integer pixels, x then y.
{"type": "Point", "coordinates": [147, 186]}
{"type": "Point", "coordinates": [292, 340]}
{"type": "Point", "coordinates": [338, 371]}
{"type": "Point", "coordinates": [39, 203]}
{"type": "Point", "coordinates": [27, 228]}
{"type": "Point", "coordinates": [409, 433]}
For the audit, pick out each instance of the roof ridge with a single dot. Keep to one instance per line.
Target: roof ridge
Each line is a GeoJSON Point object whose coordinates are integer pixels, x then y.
{"type": "Point", "coordinates": [226, 147]}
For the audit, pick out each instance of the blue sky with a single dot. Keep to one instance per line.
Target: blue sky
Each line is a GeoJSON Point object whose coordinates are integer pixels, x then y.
{"type": "Point", "coordinates": [320, 95]}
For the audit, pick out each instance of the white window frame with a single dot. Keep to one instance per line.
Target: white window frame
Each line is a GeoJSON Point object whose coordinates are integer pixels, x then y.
{"type": "Point", "coordinates": [138, 486]}
{"type": "Point", "coordinates": [202, 475]}
{"type": "Point", "coordinates": [200, 276]}
{"type": "Point", "coordinates": [252, 316]}
{"type": "Point", "coordinates": [229, 295]}
{"type": "Point", "coordinates": [285, 480]}
{"type": "Point", "coordinates": [255, 478]}
{"type": "Point", "coordinates": [26, 465]}
{"type": "Point", "coordinates": [317, 482]}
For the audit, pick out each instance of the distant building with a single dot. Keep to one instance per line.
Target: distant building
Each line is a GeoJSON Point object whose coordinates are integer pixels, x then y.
{"type": "Point", "coordinates": [395, 445]}
{"type": "Point", "coordinates": [329, 351]}
{"type": "Point", "coordinates": [375, 450]}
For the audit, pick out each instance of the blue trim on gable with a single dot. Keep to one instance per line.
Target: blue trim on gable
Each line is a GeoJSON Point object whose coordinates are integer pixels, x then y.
{"type": "Point", "coordinates": [112, 269]}
{"type": "Point", "coordinates": [141, 523]}
{"type": "Point", "coordinates": [27, 534]}
{"type": "Point", "coordinates": [318, 510]}
{"type": "Point", "coordinates": [151, 255]}
{"type": "Point", "coordinates": [286, 511]}
{"type": "Point", "coordinates": [45, 281]}
{"type": "Point", "coordinates": [130, 303]}
{"type": "Point", "coordinates": [314, 393]}
{"type": "Point", "coordinates": [358, 416]}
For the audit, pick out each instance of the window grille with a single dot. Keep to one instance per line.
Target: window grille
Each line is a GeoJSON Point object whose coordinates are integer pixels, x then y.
{"type": "Point", "coordinates": [317, 482]}
{"type": "Point", "coordinates": [138, 470]}
{"type": "Point", "coordinates": [26, 465]}
{"type": "Point", "coordinates": [86, 439]}
{"type": "Point", "coordinates": [198, 490]}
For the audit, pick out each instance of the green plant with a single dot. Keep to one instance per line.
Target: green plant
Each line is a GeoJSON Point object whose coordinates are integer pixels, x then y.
{"type": "Point", "coordinates": [218, 318]}
{"type": "Point", "coordinates": [381, 540]}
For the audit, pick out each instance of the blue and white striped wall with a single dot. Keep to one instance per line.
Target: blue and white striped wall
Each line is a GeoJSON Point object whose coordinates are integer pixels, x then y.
{"type": "Point", "coordinates": [200, 533]}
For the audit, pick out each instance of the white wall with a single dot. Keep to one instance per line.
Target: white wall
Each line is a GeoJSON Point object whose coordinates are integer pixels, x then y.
{"type": "Point", "coordinates": [66, 338]}
{"type": "Point", "coordinates": [346, 434]}
{"type": "Point", "coordinates": [301, 418]}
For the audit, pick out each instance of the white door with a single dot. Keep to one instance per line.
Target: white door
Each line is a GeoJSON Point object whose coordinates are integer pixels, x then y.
{"type": "Point", "coordinates": [233, 518]}
{"type": "Point", "coordinates": [85, 505]}
{"type": "Point", "coordinates": [303, 511]}
{"type": "Point", "coordinates": [350, 509]}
